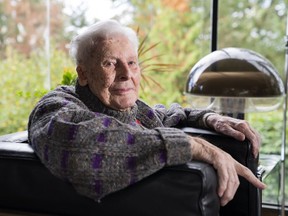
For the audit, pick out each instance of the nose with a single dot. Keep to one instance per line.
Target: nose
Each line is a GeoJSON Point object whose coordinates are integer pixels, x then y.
{"type": "Point", "coordinates": [124, 71]}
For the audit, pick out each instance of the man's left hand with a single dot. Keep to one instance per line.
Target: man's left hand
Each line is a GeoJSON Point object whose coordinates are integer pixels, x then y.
{"type": "Point", "coordinates": [237, 128]}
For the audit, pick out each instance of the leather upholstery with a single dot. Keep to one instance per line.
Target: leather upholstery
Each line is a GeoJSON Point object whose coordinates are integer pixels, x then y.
{"type": "Point", "coordinates": [247, 199]}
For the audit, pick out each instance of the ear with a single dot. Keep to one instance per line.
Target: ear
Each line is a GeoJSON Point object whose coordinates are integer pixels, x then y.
{"type": "Point", "coordinates": [82, 75]}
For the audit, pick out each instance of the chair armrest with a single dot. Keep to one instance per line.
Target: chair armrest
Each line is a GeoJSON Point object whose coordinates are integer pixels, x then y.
{"type": "Point", "coordinates": [247, 200]}
{"type": "Point", "coordinates": [184, 190]}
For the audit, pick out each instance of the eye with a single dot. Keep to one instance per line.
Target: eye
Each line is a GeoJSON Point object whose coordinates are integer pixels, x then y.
{"type": "Point", "coordinates": [133, 63]}
{"type": "Point", "coordinates": [109, 63]}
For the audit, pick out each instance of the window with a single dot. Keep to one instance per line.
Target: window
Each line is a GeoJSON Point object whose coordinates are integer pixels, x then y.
{"type": "Point", "coordinates": [35, 35]}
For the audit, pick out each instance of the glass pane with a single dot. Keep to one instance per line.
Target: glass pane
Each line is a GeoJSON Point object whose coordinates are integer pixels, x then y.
{"type": "Point", "coordinates": [260, 26]}
{"type": "Point", "coordinates": [24, 58]}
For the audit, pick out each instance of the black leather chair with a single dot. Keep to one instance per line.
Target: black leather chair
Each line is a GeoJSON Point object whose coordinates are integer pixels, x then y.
{"type": "Point", "coordinates": [247, 200]}
{"type": "Point", "coordinates": [184, 190]}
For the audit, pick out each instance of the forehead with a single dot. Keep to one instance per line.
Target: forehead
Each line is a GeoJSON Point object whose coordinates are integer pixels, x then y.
{"type": "Point", "coordinates": [116, 44]}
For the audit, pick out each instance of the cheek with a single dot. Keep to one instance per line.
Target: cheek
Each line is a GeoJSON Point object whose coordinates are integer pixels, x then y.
{"type": "Point", "coordinates": [137, 80]}
{"type": "Point", "coordinates": [105, 81]}
{"type": "Point", "coordinates": [101, 80]}
{"type": "Point", "coordinates": [100, 85]}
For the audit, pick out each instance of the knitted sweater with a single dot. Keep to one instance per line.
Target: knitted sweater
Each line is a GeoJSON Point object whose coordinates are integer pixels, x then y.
{"type": "Point", "coordinates": [100, 150]}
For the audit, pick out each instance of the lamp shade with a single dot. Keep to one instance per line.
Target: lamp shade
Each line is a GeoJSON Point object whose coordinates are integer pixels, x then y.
{"type": "Point", "coordinates": [235, 80]}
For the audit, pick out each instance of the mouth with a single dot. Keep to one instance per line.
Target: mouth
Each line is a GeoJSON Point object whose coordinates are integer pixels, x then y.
{"type": "Point", "coordinates": [122, 91]}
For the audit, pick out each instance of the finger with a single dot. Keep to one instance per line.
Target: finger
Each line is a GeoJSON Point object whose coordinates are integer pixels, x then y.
{"type": "Point", "coordinates": [246, 129]}
{"type": "Point", "coordinates": [223, 177]}
{"type": "Point", "coordinates": [228, 180]}
{"type": "Point", "coordinates": [229, 130]}
{"type": "Point", "coordinates": [253, 136]}
{"type": "Point", "coordinates": [230, 127]}
{"type": "Point", "coordinates": [240, 130]}
{"type": "Point", "coordinates": [249, 176]}
{"type": "Point", "coordinates": [231, 189]}
{"type": "Point", "coordinates": [256, 143]}
{"type": "Point", "coordinates": [254, 139]}
{"type": "Point", "coordinates": [236, 134]}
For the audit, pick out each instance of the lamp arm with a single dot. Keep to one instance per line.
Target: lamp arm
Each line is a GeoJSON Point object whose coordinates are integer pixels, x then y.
{"type": "Point", "coordinates": [214, 23]}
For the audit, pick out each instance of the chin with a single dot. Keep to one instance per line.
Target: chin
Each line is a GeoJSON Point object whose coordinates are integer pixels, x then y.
{"type": "Point", "coordinates": [127, 105]}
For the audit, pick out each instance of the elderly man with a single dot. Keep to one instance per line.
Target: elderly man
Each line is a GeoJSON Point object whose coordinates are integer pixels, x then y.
{"type": "Point", "coordinates": [101, 137]}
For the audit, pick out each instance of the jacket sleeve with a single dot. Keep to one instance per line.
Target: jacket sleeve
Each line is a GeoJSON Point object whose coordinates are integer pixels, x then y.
{"type": "Point", "coordinates": [97, 153]}
{"type": "Point", "coordinates": [177, 116]}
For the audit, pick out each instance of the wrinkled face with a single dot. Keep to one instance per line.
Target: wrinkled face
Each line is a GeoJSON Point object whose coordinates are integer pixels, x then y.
{"type": "Point", "coordinates": [113, 75]}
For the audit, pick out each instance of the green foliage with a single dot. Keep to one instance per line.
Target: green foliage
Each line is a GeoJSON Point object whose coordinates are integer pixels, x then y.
{"type": "Point", "coordinates": [22, 83]}
{"type": "Point", "coordinates": [270, 126]}
{"type": "Point", "coordinates": [15, 70]}
{"type": "Point", "coordinates": [179, 35]}
{"type": "Point", "coordinates": [69, 77]}
{"type": "Point", "coordinates": [258, 25]}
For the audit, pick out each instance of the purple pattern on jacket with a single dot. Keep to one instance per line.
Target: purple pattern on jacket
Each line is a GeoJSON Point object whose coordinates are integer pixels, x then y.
{"type": "Point", "coordinates": [163, 156]}
{"type": "Point", "coordinates": [106, 122]}
{"type": "Point", "coordinates": [96, 163]}
{"type": "Point", "coordinates": [131, 163]}
{"type": "Point", "coordinates": [150, 114]}
{"type": "Point", "coordinates": [72, 133]}
{"type": "Point", "coordinates": [101, 138]}
{"type": "Point", "coordinates": [98, 186]}
{"type": "Point", "coordinates": [130, 139]}
{"type": "Point", "coordinates": [64, 159]}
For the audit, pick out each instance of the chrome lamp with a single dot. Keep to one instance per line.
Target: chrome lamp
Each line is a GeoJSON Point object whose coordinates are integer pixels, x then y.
{"type": "Point", "coordinates": [235, 81]}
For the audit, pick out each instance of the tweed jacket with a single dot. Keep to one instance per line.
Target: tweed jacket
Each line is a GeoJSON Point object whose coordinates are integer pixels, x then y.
{"type": "Point", "coordinates": [100, 150]}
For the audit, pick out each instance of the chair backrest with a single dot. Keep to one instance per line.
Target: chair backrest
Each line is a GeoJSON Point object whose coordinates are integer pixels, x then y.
{"type": "Point", "coordinates": [247, 200]}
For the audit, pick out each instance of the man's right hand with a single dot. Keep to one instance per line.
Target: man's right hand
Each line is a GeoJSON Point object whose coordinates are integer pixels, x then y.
{"type": "Point", "coordinates": [227, 168]}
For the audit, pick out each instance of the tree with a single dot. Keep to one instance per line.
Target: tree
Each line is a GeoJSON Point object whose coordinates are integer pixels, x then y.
{"type": "Point", "coordinates": [255, 24]}
{"type": "Point", "coordinates": [24, 23]}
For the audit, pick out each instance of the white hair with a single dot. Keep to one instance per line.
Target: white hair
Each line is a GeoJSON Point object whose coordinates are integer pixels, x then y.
{"type": "Point", "coordinates": [82, 47]}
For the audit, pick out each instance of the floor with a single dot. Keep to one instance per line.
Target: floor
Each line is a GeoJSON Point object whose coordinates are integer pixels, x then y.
{"type": "Point", "coordinates": [271, 212]}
